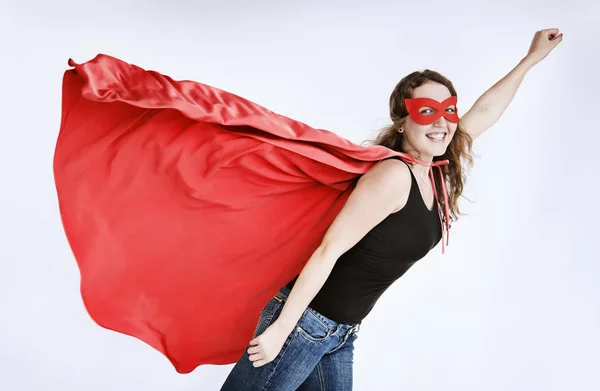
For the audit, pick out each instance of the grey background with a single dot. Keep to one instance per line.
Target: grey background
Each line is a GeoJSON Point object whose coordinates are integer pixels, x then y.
{"type": "Point", "coordinates": [514, 305]}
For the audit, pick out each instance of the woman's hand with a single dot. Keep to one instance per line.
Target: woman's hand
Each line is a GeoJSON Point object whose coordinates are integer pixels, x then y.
{"type": "Point", "coordinates": [543, 42]}
{"type": "Point", "coordinates": [267, 346]}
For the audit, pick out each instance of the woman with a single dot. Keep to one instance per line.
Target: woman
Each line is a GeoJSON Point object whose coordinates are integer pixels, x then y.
{"type": "Point", "coordinates": [188, 207]}
{"type": "Point", "coordinates": [305, 335]}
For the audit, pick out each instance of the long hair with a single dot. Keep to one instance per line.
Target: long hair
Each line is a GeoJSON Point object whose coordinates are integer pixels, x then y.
{"type": "Point", "coordinates": [459, 150]}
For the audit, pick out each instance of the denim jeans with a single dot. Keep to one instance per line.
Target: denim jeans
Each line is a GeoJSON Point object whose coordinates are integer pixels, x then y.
{"type": "Point", "coordinates": [317, 355]}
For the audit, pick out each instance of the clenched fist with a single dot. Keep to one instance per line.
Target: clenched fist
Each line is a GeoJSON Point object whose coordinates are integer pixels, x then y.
{"type": "Point", "coordinates": [543, 42]}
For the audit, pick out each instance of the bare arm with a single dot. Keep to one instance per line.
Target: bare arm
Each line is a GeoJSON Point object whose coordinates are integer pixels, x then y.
{"type": "Point", "coordinates": [491, 105]}
{"type": "Point", "coordinates": [381, 190]}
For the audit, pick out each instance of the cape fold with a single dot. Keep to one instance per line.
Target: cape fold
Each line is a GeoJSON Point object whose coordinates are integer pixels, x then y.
{"type": "Point", "coordinates": [188, 207]}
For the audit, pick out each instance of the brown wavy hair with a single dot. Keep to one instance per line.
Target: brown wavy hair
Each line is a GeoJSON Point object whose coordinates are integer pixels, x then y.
{"type": "Point", "coordinates": [459, 150]}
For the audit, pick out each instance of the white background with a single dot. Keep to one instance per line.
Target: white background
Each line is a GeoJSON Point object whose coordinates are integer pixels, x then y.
{"type": "Point", "coordinates": [515, 303]}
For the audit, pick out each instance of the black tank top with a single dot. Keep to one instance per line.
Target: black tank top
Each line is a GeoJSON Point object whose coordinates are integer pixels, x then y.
{"type": "Point", "coordinates": [384, 254]}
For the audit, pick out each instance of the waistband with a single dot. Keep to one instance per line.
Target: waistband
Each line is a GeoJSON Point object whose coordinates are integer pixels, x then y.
{"type": "Point", "coordinates": [349, 328]}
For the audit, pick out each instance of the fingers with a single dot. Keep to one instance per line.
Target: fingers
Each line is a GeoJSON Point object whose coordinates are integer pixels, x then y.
{"type": "Point", "coordinates": [257, 355]}
{"type": "Point", "coordinates": [259, 363]}
{"type": "Point", "coordinates": [549, 31]}
{"type": "Point", "coordinates": [258, 358]}
{"type": "Point", "coordinates": [551, 34]}
{"type": "Point", "coordinates": [555, 39]}
{"type": "Point", "coordinates": [253, 350]}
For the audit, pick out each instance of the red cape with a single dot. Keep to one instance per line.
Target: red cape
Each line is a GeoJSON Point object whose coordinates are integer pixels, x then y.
{"type": "Point", "coordinates": [188, 207]}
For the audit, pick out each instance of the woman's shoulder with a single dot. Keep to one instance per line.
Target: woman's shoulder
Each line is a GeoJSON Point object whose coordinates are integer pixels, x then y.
{"type": "Point", "coordinates": [395, 159]}
{"type": "Point", "coordinates": [390, 172]}
{"type": "Point", "coordinates": [388, 182]}
{"type": "Point", "coordinates": [393, 165]}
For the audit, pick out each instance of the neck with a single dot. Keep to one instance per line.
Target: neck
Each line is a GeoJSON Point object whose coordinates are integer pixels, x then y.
{"type": "Point", "coordinates": [419, 170]}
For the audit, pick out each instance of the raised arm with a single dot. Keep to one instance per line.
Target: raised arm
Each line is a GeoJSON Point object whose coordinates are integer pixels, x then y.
{"type": "Point", "coordinates": [491, 105]}
{"type": "Point", "coordinates": [377, 194]}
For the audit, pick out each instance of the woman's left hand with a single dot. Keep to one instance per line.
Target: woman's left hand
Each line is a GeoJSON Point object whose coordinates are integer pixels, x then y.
{"type": "Point", "coordinates": [543, 42]}
{"type": "Point", "coordinates": [267, 346]}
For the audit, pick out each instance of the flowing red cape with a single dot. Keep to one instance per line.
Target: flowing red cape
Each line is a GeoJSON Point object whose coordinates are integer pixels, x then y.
{"type": "Point", "coordinates": [187, 207]}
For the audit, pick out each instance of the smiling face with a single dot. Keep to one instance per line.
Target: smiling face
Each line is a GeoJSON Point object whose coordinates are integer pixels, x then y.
{"type": "Point", "coordinates": [426, 136]}
{"type": "Point", "coordinates": [416, 135]}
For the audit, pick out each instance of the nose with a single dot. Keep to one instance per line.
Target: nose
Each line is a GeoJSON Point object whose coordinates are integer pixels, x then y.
{"type": "Point", "coordinates": [441, 122]}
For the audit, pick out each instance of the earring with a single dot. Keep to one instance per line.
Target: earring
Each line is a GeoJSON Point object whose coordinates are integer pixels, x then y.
{"type": "Point", "coordinates": [400, 130]}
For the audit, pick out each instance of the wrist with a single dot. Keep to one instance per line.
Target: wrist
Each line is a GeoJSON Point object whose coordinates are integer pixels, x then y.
{"type": "Point", "coordinates": [284, 326]}
{"type": "Point", "coordinates": [528, 61]}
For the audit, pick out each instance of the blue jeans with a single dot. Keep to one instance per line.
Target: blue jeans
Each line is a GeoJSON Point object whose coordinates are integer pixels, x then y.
{"type": "Point", "coordinates": [316, 356]}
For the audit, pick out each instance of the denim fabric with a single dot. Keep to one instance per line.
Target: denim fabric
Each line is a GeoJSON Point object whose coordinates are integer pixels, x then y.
{"type": "Point", "coordinates": [316, 356]}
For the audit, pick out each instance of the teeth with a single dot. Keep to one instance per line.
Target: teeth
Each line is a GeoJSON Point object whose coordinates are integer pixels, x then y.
{"type": "Point", "coordinates": [436, 136]}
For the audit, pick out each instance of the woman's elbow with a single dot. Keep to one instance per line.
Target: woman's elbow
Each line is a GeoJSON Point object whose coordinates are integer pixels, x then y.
{"type": "Point", "coordinates": [328, 252]}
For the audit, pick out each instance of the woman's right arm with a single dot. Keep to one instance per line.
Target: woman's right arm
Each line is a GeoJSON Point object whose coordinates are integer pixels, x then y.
{"type": "Point", "coordinates": [378, 193]}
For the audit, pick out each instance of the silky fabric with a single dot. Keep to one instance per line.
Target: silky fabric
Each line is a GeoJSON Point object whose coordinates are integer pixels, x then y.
{"type": "Point", "coordinates": [188, 207]}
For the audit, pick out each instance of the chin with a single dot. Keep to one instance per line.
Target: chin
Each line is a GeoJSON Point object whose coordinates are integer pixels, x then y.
{"type": "Point", "coordinates": [440, 151]}
{"type": "Point", "coordinates": [435, 150]}
{"type": "Point", "coordinates": [427, 148]}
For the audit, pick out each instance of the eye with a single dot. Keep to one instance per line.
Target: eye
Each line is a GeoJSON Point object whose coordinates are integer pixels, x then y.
{"type": "Point", "coordinates": [426, 111]}
{"type": "Point", "coordinates": [452, 109]}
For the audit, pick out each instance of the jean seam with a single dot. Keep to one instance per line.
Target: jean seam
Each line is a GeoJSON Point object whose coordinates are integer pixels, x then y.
{"type": "Point", "coordinates": [284, 350]}
{"type": "Point", "coordinates": [321, 377]}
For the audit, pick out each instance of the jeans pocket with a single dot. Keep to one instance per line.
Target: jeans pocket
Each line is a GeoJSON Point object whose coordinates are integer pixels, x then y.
{"type": "Point", "coordinates": [311, 328]}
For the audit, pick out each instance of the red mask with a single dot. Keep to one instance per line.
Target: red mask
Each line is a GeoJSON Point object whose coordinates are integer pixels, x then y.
{"type": "Point", "coordinates": [414, 105]}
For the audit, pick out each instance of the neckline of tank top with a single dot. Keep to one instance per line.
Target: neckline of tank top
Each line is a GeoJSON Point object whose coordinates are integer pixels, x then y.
{"type": "Point", "coordinates": [409, 159]}
{"type": "Point", "coordinates": [415, 183]}
{"type": "Point", "coordinates": [417, 190]}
